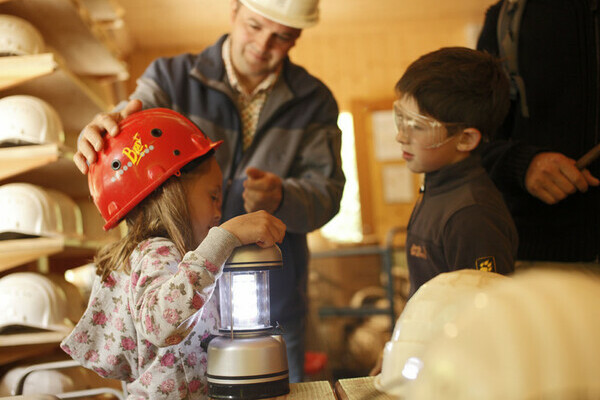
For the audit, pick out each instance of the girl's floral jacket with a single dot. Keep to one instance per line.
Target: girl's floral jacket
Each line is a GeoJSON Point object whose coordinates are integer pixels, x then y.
{"type": "Point", "coordinates": [145, 328]}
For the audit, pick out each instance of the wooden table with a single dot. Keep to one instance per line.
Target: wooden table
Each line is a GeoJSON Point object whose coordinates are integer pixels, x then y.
{"type": "Point", "coordinates": [321, 390]}
{"type": "Point", "coordinates": [360, 389]}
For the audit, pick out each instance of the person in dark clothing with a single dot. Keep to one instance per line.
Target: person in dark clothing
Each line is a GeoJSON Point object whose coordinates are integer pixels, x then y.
{"type": "Point", "coordinates": [555, 206]}
{"type": "Point", "coordinates": [448, 100]}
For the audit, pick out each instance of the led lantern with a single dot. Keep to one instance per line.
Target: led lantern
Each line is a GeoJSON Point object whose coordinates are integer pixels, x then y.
{"type": "Point", "coordinates": [248, 360]}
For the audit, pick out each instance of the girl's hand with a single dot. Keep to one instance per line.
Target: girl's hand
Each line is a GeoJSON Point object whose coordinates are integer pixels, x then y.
{"type": "Point", "coordinates": [258, 227]}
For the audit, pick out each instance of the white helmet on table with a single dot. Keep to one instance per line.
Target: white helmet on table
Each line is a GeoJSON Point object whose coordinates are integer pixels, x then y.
{"type": "Point", "coordinates": [293, 13]}
{"type": "Point", "coordinates": [426, 314]}
{"type": "Point", "coordinates": [32, 300]}
{"type": "Point", "coordinates": [18, 37]}
{"type": "Point", "coordinates": [533, 337]}
{"type": "Point", "coordinates": [28, 119]}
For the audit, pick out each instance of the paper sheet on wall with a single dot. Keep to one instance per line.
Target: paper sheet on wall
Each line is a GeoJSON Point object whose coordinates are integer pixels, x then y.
{"type": "Point", "coordinates": [384, 136]}
{"type": "Point", "coordinates": [398, 184]}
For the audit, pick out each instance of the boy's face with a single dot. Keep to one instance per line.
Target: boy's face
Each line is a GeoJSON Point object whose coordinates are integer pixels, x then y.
{"type": "Point", "coordinates": [426, 146]}
{"type": "Point", "coordinates": [204, 197]}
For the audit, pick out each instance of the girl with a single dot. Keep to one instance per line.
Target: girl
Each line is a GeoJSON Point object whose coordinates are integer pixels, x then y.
{"type": "Point", "coordinates": [154, 301]}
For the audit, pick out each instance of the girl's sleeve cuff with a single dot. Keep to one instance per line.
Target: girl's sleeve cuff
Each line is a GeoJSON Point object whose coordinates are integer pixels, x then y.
{"type": "Point", "coordinates": [219, 243]}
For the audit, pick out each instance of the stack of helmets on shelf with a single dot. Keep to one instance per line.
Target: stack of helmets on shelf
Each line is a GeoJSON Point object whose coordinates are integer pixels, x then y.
{"type": "Point", "coordinates": [45, 377]}
{"type": "Point", "coordinates": [31, 210]}
{"type": "Point", "coordinates": [47, 382]}
{"type": "Point", "coordinates": [32, 302]}
{"type": "Point", "coordinates": [530, 336]}
{"type": "Point", "coordinates": [28, 119]}
{"type": "Point", "coordinates": [28, 210]}
{"type": "Point", "coordinates": [18, 37]}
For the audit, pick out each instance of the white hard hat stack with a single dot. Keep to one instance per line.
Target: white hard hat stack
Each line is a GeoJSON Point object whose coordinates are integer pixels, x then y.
{"type": "Point", "coordinates": [535, 336]}
{"type": "Point", "coordinates": [293, 13]}
{"type": "Point", "coordinates": [18, 37]}
{"type": "Point", "coordinates": [30, 210]}
{"type": "Point", "coordinates": [32, 300]}
{"type": "Point", "coordinates": [38, 382]}
{"type": "Point", "coordinates": [428, 312]}
{"type": "Point", "coordinates": [28, 119]}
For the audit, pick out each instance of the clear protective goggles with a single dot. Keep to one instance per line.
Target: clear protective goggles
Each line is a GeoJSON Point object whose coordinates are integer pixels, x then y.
{"type": "Point", "coordinates": [420, 129]}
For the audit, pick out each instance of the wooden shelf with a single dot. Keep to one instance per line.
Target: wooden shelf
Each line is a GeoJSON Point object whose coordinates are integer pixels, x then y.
{"type": "Point", "coordinates": [10, 353]}
{"type": "Point", "coordinates": [74, 101]}
{"type": "Point", "coordinates": [67, 27]}
{"type": "Point", "coordinates": [18, 69]}
{"type": "Point", "coordinates": [52, 168]}
{"type": "Point", "coordinates": [17, 252]}
{"type": "Point", "coordinates": [21, 251]}
{"type": "Point", "coordinates": [20, 159]}
{"type": "Point", "coordinates": [32, 338]}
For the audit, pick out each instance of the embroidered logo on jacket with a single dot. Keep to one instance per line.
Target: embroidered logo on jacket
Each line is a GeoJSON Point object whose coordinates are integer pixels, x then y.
{"type": "Point", "coordinates": [486, 264]}
{"type": "Point", "coordinates": [418, 251]}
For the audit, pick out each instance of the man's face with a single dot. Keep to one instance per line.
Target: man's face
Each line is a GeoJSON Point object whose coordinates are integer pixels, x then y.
{"type": "Point", "coordinates": [258, 45]}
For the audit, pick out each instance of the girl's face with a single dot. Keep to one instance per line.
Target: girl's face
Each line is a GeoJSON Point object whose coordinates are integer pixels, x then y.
{"type": "Point", "coordinates": [204, 195]}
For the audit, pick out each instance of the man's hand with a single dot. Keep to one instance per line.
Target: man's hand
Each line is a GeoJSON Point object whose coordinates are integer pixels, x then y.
{"type": "Point", "coordinates": [262, 191]}
{"type": "Point", "coordinates": [90, 141]}
{"type": "Point", "coordinates": [552, 176]}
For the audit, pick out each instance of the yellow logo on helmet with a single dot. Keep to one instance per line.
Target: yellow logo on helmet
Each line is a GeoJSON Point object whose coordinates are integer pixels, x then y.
{"type": "Point", "coordinates": [137, 151]}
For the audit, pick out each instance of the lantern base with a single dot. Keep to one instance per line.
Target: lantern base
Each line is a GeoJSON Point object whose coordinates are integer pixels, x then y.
{"type": "Point", "coordinates": [252, 367]}
{"type": "Point", "coordinates": [249, 391]}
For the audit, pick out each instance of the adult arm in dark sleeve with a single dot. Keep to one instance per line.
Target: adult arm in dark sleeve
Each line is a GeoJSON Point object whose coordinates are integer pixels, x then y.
{"type": "Point", "coordinates": [505, 159]}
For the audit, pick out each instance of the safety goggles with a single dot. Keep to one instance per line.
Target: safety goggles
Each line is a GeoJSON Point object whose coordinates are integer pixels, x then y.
{"type": "Point", "coordinates": [420, 129]}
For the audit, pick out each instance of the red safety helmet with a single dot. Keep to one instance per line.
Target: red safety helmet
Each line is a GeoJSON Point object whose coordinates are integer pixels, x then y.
{"type": "Point", "coordinates": [151, 147]}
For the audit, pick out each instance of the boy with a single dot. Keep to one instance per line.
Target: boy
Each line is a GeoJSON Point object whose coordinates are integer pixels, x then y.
{"type": "Point", "coordinates": [448, 102]}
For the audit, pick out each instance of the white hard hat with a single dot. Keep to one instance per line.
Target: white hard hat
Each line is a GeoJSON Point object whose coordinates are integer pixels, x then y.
{"type": "Point", "coordinates": [427, 313]}
{"type": "Point", "coordinates": [19, 37]}
{"type": "Point", "coordinates": [533, 337]}
{"type": "Point", "coordinates": [293, 13]}
{"type": "Point", "coordinates": [30, 210]}
{"type": "Point", "coordinates": [29, 120]}
{"type": "Point", "coordinates": [82, 278]}
{"type": "Point", "coordinates": [77, 303]}
{"type": "Point", "coordinates": [37, 382]}
{"type": "Point", "coordinates": [32, 300]}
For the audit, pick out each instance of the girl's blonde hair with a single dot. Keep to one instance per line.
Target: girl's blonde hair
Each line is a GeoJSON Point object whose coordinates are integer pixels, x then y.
{"type": "Point", "coordinates": [164, 213]}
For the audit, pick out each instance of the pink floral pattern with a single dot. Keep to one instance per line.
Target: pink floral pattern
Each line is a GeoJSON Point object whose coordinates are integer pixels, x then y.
{"type": "Point", "coordinates": [145, 328]}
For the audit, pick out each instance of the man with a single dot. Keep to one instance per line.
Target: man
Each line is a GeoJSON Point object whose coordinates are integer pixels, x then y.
{"type": "Point", "coordinates": [552, 123]}
{"type": "Point", "coordinates": [282, 144]}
